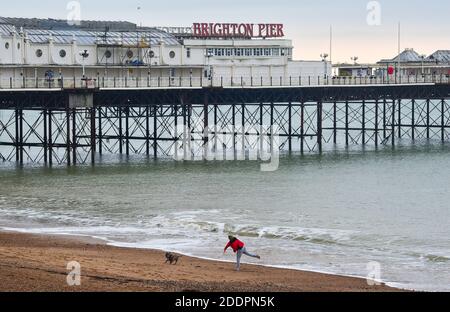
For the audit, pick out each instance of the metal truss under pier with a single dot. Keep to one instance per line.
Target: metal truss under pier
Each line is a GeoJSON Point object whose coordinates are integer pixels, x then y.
{"type": "Point", "coordinates": [48, 127]}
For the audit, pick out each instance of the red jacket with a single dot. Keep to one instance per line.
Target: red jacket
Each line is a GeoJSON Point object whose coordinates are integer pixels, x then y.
{"type": "Point", "coordinates": [236, 245]}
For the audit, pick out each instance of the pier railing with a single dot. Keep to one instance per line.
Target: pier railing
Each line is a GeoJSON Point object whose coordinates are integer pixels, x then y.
{"type": "Point", "coordinates": [196, 82]}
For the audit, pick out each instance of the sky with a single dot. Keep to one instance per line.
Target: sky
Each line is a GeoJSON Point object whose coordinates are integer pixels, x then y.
{"type": "Point", "coordinates": [425, 25]}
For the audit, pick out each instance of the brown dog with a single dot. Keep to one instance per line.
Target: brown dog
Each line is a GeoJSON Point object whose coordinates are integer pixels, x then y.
{"type": "Point", "coordinates": [173, 259]}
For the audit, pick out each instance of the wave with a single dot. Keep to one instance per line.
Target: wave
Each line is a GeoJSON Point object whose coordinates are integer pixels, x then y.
{"type": "Point", "coordinates": [431, 257]}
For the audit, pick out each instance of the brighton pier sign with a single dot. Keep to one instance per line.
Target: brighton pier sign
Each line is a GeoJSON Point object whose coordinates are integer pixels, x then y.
{"type": "Point", "coordinates": [223, 30]}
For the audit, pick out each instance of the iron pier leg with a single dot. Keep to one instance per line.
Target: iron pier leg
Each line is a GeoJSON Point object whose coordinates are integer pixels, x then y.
{"type": "Point", "coordinates": [68, 143]}
{"type": "Point", "coordinates": [376, 123]}
{"type": "Point", "coordinates": [120, 131]}
{"type": "Point", "coordinates": [17, 139]}
{"type": "Point", "coordinates": [346, 124]}
{"type": "Point", "coordinates": [175, 112]}
{"type": "Point", "coordinates": [205, 125]}
{"type": "Point", "coordinates": [243, 132]}
{"type": "Point", "coordinates": [302, 128]}
{"type": "Point", "coordinates": [428, 119]}
{"type": "Point", "coordinates": [74, 136]}
{"type": "Point", "coordinates": [261, 130]}
{"type": "Point", "coordinates": [393, 124]}
{"type": "Point", "coordinates": [100, 132]}
{"type": "Point", "coordinates": [44, 114]}
{"type": "Point", "coordinates": [442, 120]}
{"type": "Point", "coordinates": [363, 123]}
{"type": "Point", "coordinates": [335, 123]}
{"type": "Point", "coordinates": [21, 135]}
{"type": "Point", "coordinates": [319, 125]}
{"type": "Point", "coordinates": [147, 130]}
{"type": "Point", "coordinates": [93, 132]}
{"type": "Point", "coordinates": [50, 138]}
{"type": "Point", "coordinates": [155, 131]}
{"type": "Point", "coordinates": [127, 131]}
{"type": "Point", "coordinates": [399, 119]}
{"type": "Point", "coordinates": [413, 119]}
{"type": "Point", "coordinates": [290, 127]}
{"type": "Point", "coordinates": [234, 128]}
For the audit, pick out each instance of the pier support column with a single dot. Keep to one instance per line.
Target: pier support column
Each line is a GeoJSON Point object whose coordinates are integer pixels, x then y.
{"type": "Point", "coordinates": [155, 131]}
{"type": "Point", "coordinates": [17, 134]}
{"type": "Point", "coordinates": [242, 156]}
{"type": "Point", "coordinates": [335, 123]}
{"type": "Point", "coordinates": [261, 128]}
{"type": "Point", "coordinates": [399, 119]}
{"type": "Point", "coordinates": [384, 119]}
{"type": "Point", "coordinates": [443, 120]}
{"type": "Point", "coordinates": [205, 125]}
{"type": "Point", "coordinates": [302, 128]}
{"type": "Point", "coordinates": [45, 136]}
{"type": "Point", "coordinates": [21, 136]}
{"type": "Point", "coordinates": [428, 119]}
{"type": "Point", "coordinates": [363, 123]}
{"type": "Point", "coordinates": [393, 124]}
{"type": "Point", "coordinates": [376, 123]}
{"type": "Point", "coordinates": [68, 141]}
{"type": "Point", "coordinates": [346, 124]}
{"type": "Point", "coordinates": [147, 131]}
{"type": "Point", "coordinates": [50, 137]}
{"type": "Point", "coordinates": [100, 132]}
{"type": "Point", "coordinates": [319, 125]}
{"type": "Point", "coordinates": [127, 131]}
{"type": "Point", "coordinates": [413, 120]}
{"type": "Point", "coordinates": [290, 126]}
{"type": "Point", "coordinates": [119, 112]}
{"type": "Point", "coordinates": [74, 136]}
{"type": "Point", "coordinates": [233, 127]}
{"type": "Point", "coordinates": [93, 136]}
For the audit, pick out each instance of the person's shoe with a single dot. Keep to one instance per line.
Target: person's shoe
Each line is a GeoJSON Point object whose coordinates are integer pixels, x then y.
{"type": "Point", "coordinates": [258, 257]}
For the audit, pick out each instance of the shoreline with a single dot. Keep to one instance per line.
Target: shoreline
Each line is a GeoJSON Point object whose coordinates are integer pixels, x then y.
{"type": "Point", "coordinates": [38, 262]}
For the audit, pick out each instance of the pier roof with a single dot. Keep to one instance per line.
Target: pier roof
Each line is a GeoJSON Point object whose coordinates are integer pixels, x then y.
{"type": "Point", "coordinates": [87, 33]}
{"type": "Point", "coordinates": [440, 56]}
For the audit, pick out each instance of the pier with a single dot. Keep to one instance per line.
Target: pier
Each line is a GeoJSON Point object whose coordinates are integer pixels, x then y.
{"type": "Point", "coordinates": [69, 124]}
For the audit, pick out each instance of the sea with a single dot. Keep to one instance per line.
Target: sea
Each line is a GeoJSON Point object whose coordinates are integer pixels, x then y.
{"type": "Point", "coordinates": [381, 213]}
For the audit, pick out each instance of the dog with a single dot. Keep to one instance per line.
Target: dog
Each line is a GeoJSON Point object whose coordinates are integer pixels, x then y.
{"type": "Point", "coordinates": [173, 259]}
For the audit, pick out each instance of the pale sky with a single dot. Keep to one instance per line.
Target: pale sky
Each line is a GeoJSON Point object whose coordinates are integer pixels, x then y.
{"type": "Point", "coordinates": [425, 24]}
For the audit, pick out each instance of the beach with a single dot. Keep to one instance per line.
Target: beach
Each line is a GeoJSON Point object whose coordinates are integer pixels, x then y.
{"type": "Point", "coordinates": [39, 263]}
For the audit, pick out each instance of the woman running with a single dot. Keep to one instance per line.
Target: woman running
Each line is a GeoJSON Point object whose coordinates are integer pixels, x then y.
{"type": "Point", "coordinates": [239, 248]}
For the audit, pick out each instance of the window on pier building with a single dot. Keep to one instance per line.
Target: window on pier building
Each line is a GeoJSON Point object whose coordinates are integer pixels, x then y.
{"type": "Point", "coordinates": [276, 52]}
{"type": "Point", "coordinates": [188, 52]}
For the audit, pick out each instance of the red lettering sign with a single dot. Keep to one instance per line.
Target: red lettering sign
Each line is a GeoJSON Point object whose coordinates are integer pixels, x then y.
{"type": "Point", "coordinates": [233, 30]}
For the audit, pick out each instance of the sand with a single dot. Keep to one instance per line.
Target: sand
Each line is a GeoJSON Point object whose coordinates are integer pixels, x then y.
{"type": "Point", "coordinates": [39, 263]}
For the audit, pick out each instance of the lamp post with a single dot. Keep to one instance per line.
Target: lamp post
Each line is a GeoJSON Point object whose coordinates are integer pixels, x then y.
{"type": "Point", "coordinates": [324, 60]}
{"type": "Point", "coordinates": [422, 57]}
{"type": "Point", "coordinates": [84, 55]}
{"type": "Point", "coordinates": [355, 60]}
